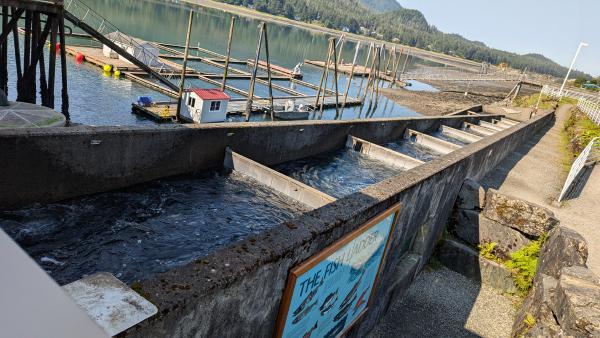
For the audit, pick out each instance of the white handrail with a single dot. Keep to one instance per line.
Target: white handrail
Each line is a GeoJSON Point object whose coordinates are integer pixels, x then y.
{"type": "Point", "coordinates": [589, 156]}
{"type": "Point", "coordinates": [587, 103]}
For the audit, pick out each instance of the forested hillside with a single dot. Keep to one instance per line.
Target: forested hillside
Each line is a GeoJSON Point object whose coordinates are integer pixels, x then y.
{"type": "Point", "coordinates": [408, 26]}
{"type": "Point", "coordinates": [381, 5]}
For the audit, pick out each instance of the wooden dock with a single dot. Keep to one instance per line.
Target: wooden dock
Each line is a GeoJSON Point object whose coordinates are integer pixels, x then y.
{"type": "Point", "coordinates": [166, 111]}
{"type": "Point", "coordinates": [359, 71]}
{"type": "Point", "coordinates": [276, 69]}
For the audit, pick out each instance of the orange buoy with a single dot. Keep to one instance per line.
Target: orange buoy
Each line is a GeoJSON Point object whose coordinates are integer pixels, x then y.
{"type": "Point", "coordinates": [79, 58]}
{"type": "Point", "coordinates": [58, 47]}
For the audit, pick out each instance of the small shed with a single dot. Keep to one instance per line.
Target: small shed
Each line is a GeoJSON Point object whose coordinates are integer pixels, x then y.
{"type": "Point", "coordinates": [204, 105]}
{"type": "Point", "coordinates": [134, 46]}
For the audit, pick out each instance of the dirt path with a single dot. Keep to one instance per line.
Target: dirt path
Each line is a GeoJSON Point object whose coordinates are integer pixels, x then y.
{"type": "Point", "coordinates": [535, 173]}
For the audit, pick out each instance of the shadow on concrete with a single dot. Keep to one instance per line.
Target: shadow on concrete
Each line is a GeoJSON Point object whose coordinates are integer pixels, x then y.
{"type": "Point", "coordinates": [448, 298]}
{"type": "Point", "coordinates": [579, 183]}
{"type": "Point", "coordinates": [496, 177]}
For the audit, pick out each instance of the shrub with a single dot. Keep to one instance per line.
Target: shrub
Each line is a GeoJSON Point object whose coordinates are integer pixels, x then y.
{"type": "Point", "coordinates": [523, 264]}
{"type": "Point", "coordinates": [486, 250]}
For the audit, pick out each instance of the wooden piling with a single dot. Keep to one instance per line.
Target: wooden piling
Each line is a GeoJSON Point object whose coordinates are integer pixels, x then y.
{"type": "Point", "coordinates": [323, 76]}
{"type": "Point", "coordinates": [405, 62]}
{"type": "Point", "coordinates": [371, 46]}
{"type": "Point", "coordinates": [375, 53]}
{"type": "Point", "coordinates": [268, 71]}
{"type": "Point", "coordinates": [52, 62]}
{"type": "Point", "coordinates": [4, 52]}
{"type": "Point", "coordinates": [254, 71]}
{"type": "Point", "coordinates": [335, 79]}
{"type": "Point", "coordinates": [231, 26]}
{"type": "Point", "coordinates": [63, 66]}
{"type": "Point", "coordinates": [341, 49]}
{"type": "Point", "coordinates": [185, 55]}
{"type": "Point", "coordinates": [399, 56]}
{"type": "Point", "coordinates": [329, 57]}
{"type": "Point", "coordinates": [351, 74]}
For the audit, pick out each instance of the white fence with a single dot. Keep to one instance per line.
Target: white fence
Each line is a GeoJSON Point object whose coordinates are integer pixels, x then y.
{"type": "Point", "coordinates": [588, 157]}
{"type": "Point", "coordinates": [587, 103]}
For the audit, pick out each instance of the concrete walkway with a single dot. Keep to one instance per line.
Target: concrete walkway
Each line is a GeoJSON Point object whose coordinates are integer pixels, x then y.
{"type": "Point", "coordinates": [443, 303]}
{"type": "Point", "coordinates": [535, 173]}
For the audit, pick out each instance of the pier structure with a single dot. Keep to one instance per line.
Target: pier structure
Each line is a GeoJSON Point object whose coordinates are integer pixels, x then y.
{"type": "Point", "coordinates": [43, 21]}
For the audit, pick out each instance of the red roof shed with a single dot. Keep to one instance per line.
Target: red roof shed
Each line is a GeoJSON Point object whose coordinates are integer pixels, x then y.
{"type": "Point", "coordinates": [210, 94]}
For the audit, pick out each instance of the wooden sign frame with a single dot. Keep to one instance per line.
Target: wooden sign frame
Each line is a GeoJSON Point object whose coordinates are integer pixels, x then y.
{"type": "Point", "coordinates": [313, 261]}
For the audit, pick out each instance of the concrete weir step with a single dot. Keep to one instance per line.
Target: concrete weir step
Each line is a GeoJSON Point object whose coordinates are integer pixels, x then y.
{"type": "Point", "coordinates": [382, 153]}
{"type": "Point", "coordinates": [491, 126]}
{"type": "Point", "coordinates": [502, 123]}
{"type": "Point", "coordinates": [433, 143]}
{"type": "Point", "coordinates": [509, 121]}
{"type": "Point", "coordinates": [459, 134]}
{"type": "Point", "coordinates": [470, 127]}
{"type": "Point", "coordinates": [276, 180]}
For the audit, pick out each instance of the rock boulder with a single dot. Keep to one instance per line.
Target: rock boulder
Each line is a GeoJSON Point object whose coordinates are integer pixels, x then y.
{"type": "Point", "coordinates": [474, 228]}
{"type": "Point", "coordinates": [563, 248]}
{"type": "Point", "coordinates": [577, 302]}
{"type": "Point", "coordinates": [528, 218]}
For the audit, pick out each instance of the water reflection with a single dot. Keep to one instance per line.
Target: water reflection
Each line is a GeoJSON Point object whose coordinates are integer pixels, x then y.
{"type": "Point", "coordinates": [98, 100]}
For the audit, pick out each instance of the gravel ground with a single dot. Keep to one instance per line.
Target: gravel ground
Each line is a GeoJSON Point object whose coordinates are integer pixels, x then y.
{"type": "Point", "coordinates": [443, 303]}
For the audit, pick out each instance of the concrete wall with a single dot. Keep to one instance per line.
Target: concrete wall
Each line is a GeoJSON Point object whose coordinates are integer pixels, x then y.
{"type": "Point", "coordinates": [42, 165]}
{"type": "Point", "coordinates": [235, 292]}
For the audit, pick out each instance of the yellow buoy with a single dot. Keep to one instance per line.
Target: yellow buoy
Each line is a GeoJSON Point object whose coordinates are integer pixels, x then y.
{"type": "Point", "coordinates": [117, 73]}
{"type": "Point", "coordinates": [107, 74]}
{"type": "Point", "coordinates": [107, 68]}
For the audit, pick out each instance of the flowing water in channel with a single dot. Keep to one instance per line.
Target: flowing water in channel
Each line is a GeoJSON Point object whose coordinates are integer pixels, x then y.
{"type": "Point", "coordinates": [340, 173]}
{"type": "Point", "coordinates": [150, 228]}
{"type": "Point", "coordinates": [99, 100]}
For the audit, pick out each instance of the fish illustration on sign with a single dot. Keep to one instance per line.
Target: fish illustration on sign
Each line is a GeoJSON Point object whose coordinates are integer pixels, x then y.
{"type": "Point", "coordinates": [361, 301]}
{"type": "Point", "coordinates": [329, 302]}
{"type": "Point", "coordinates": [307, 300]}
{"type": "Point", "coordinates": [304, 312]}
{"type": "Point", "coordinates": [309, 332]}
{"type": "Point", "coordinates": [336, 329]}
{"type": "Point", "coordinates": [344, 310]}
{"type": "Point", "coordinates": [352, 292]}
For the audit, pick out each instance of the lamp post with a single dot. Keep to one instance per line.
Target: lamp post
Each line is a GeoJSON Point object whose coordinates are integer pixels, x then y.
{"type": "Point", "coordinates": [581, 44]}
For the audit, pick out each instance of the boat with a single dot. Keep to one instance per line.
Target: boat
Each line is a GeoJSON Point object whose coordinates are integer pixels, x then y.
{"type": "Point", "coordinates": [291, 112]}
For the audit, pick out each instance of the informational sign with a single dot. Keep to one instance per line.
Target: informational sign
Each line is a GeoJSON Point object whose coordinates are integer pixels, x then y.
{"type": "Point", "coordinates": [328, 293]}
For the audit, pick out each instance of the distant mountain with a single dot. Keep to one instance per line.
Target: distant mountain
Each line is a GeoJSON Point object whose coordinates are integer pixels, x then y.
{"type": "Point", "coordinates": [381, 5]}
{"type": "Point", "coordinates": [387, 20]}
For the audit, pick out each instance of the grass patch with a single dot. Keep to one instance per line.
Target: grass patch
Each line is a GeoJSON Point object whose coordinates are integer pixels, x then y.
{"type": "Point", "coordinates": [547, 102]}
{"type": "Point", "coordinates": [578, 131]}
{"type": "Point", "coordinates": [523, 264]}
{"type": "Point", "coordinates": [487, 251]}
{"type": "Point", "coordinates": [529, 101]}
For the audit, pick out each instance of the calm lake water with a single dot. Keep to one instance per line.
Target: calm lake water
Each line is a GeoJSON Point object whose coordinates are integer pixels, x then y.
{"type": "Point", "coordinates": [99, 100]}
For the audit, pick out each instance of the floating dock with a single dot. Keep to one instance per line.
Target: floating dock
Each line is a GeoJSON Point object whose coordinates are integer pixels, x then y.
{"type": "Point", "coordinates": [166, 111]}
{"type": "Point", "coordinates": [276, 69]}
{"type": "Point", "coordinates": [359, 71]}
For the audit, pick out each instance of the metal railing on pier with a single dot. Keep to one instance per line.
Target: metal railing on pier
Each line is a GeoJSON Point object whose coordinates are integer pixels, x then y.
{"type": "Point", "coordinates": [587, 103]}
{"type": "Point", "coordinates": [132, 45]}
{"type": "Point", "coordinates": [588, 157]}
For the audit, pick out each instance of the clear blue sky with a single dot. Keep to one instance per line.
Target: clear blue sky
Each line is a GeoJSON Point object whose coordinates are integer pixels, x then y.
{"type": "Point", "coordinates": [553, 28]}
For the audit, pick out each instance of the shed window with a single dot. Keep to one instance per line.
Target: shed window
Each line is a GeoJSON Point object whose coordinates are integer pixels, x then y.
{"type": "Point", "coordinates": [191, 101]}
{"type": "Point", "coordinates": [215, 105]}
